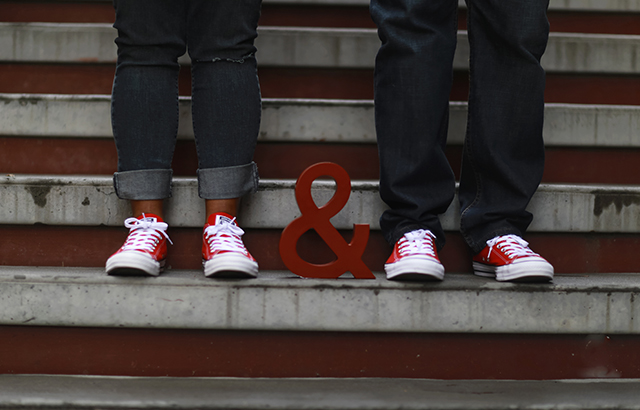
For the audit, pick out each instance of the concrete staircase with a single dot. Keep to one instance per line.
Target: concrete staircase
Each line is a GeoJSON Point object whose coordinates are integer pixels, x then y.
{"type": "Point", "coordinates": [60, 315]}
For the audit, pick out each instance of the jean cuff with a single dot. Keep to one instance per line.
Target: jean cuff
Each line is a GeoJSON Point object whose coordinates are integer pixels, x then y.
{"type": "Point", "coordinates": [227, 182]}
{"type": "Point", "coordinates": [143, 184]}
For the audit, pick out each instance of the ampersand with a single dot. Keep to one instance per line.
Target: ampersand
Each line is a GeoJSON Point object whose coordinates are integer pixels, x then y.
{"type": "Point", "coordinates": [349, 255]}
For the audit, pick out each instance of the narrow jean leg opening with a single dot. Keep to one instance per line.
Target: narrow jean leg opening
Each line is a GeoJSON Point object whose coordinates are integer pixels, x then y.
{"type": "Point", "coordinates": [226, 102]}
{"type": "Point", "coordinates": [144, 107]}
{"type": "Point", "coordinates": [228, 182]}
{"type": "Point", "coordinates": [143, 185]}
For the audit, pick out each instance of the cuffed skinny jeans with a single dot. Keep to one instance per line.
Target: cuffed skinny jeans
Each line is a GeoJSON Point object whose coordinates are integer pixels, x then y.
{"type": "Point", "coordinates": [226, 105]}
{"type": "Point", "coordinates": [503, 156]}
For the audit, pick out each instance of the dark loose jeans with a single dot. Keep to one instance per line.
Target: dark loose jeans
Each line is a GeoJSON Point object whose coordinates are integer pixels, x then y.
{"type": "Point", "coordinates": [226, 107]}
{"type": "Point", "coordinates": [503, 156]}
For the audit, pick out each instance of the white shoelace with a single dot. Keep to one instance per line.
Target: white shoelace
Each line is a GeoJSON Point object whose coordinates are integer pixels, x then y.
{"type": "Point", "coordinates": [417, 242]}
{"type": "Point", "coordinates": [510, 245]}
{"type": "Point", "coordinates": [144, 234]}
{"type": "Point", "coordinates": [225, 236]}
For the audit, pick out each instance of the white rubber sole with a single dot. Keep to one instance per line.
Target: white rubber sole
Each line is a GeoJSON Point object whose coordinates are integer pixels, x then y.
{"type": "Point", "coordinates": [230, 265]}
{"type": "Point", "coordinates": [526, 271]}
{"type": "Point", "coordinates": [415, 269]}
{"type": "Point", "coordinates": [133, 263]}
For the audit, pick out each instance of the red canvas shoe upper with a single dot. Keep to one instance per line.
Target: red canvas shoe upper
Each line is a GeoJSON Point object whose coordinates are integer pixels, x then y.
{"type": "Point", "coordinates": [222, 235]}
{"type": "Point", "coordinates": [418, 243]}
{"type": "Point", "coordinates": [147, 234]}
{"type": "Point", "coordinates": [505, 250]}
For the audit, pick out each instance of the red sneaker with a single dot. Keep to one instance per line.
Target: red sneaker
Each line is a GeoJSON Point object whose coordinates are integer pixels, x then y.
{"type": "Point", "coordinates": [223, 252]}
{"type": "Point", "coordinates": [415, 257]}
{"type": "Point", "coordinates": [508, 258]}
{"type": "Point", "coordinates": [145, 249]}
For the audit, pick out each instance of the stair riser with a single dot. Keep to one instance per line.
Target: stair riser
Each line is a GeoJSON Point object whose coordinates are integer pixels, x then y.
{"type": "Point", "coordinates": [79, 156]}
{"type": "Point", "coordinates": [42, 245]}
{"type": "Point", "coordinates": [310, 16]}
{"type": "Point", "coordinates": [188, 353]}
{"type": "Point", "coordinates": [307, 83]}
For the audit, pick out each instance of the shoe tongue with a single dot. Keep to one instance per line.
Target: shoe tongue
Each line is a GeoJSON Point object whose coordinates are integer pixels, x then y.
{"type": "Point", "coordinates": [222, 218]}
{"type": "Point", "coordinates": [150, 218]}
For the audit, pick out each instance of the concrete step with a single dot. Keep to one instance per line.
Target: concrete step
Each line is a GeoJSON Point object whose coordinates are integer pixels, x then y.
{"type": "Point", "coordinates": [84, 392]}
{"type": "Point", "coordinates": [308, 47]}
{"type": "Point", "coordinates": [309, 120]}
{"type": "Point", "coordinates": [91, 201]}
{"type": "Point", "coordinates": [77, 127]}
{"type": "Point", "coordinates": [77, 221]}
{"type": "Point", "coordinates": [283, 120]}
{"type": "Point", "coordinates": [80, 321]}
{"type": "Point", "coordinates": [281, 301]}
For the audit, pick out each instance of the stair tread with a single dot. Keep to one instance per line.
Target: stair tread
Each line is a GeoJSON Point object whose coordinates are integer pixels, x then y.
{"type": "Point", "coordinates": [31, 391]}
{"type": "Point", "coordinates": [308, 47]}
{"type": "Point", "coordinates": [279, 300]}
{"type": "Point", "coordinates": [310, 120]}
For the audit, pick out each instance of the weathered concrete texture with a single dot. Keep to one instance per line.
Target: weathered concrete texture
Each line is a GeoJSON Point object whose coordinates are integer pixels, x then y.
{"type": "Point", "coordinates": [594, 53]}
{"type": "Point", "coordinates": [303, 120]}
{"type": "Point", "coordinates": [91, 200]}
{"type": "Point", "coordinates": [309, 47]}
{"type": "Point", "coordinates": [89, 116]}
{"type": "Point", "coordinates": [54, 42]}
{"type": "Point", "coordinates": [591, 125]}
{"type": "Point", "coordinates": [90, 392]}
{"type": "Point", "coordinates": [317, 47]}
{"type": "Point", "coordinates": [572, 304]}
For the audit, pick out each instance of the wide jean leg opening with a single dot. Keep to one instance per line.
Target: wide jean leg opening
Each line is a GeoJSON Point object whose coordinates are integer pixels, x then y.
{"type": "Point", "coordinates": [413, 78]}
{"type": "Point", "coordinates": [503, 156]}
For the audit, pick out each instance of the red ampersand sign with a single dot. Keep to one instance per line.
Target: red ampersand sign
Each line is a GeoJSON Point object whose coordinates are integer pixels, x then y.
{"type": "Point", "coordinates": [318, 218]}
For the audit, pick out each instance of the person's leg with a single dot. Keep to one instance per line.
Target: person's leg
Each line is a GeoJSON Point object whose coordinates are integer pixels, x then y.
{"type": "Point", "coordinates": [226, 120]}
{"type": "Point", "coordinates": [144, 110]}
{"type": "Point", "coordinates": [151, 36]}
{"type": "Point", "coordinates": [413, 76]}
{"type": "Point", "coordinates": [504, 151]}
